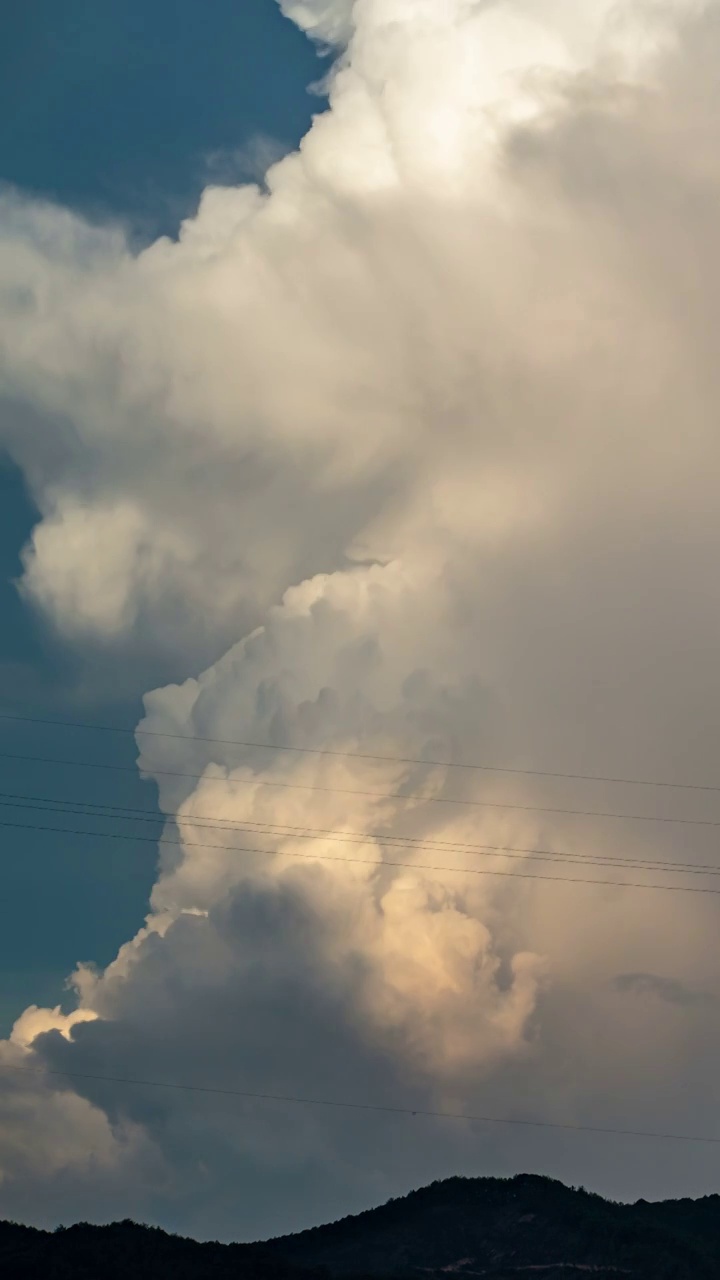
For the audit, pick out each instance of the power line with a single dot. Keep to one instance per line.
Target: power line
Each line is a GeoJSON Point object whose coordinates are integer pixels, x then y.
{"type": "Point", "coordinates": [295, 1100]}
{"type": "Point", "coordinates": [286, 831]}
{"type": "Point", "coordinates": [352, 791]}
{"type": "Point", "coordinates": [373, 862]}
{"type": "Point", "coordinates": [360, 755]}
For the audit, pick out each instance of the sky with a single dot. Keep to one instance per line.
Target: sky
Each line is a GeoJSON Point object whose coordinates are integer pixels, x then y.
{"type": "Point", "coordinates": [360, 451]}
{"type": "Point", "coordinates": [123, 112]}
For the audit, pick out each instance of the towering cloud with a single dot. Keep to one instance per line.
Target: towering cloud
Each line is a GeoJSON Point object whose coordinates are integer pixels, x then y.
{"type": "Point", "coordinates": [407, 458]}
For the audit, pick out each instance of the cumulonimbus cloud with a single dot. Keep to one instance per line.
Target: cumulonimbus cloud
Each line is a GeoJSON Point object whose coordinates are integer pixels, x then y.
{"type": "Point", "coordinates": [411, 456]}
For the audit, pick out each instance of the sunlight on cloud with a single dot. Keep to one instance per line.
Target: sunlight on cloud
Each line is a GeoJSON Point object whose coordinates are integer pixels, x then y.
{"type": "Point", "coordinates": [410, 456]}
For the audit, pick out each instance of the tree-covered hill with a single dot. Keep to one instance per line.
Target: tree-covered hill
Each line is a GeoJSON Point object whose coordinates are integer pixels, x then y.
{"type": "Point", "coordinates": [501, 1229]}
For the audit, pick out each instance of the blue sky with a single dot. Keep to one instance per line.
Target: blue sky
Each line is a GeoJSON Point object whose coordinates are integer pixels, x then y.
{"type": "Point", "coordinates": [118, 108]}
{"type": "Point", "coordinates": [124, 111]}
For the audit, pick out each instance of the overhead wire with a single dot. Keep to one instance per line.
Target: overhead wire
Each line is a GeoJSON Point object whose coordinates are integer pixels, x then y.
{"type": "Point", "coordinates": [379, 864]}
{"type": "Point", "coordinates": [360, 755]}
{"type": "Point", "coordinates": [295, 1100]}
{"type": "Point", "coordinates": [282, 831]}
{"type": "Point", "coordinates": [353, 791]}
{"type": "Point", "coordinates": [42, 804]}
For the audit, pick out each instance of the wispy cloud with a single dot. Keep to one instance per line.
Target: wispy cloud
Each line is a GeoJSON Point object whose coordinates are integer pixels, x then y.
{"type": "Point", "coordinates": [668, 989]}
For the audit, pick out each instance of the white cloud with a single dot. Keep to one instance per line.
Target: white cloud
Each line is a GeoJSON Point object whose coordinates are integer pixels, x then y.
{"type": "Point", "coordinates": [330, 20]}
{"type": "Point", "coordinates": [35, 1022]}
{"type": "Point", "coordinates": [420, 447]}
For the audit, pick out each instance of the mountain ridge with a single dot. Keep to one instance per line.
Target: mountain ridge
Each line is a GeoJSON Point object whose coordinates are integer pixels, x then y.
{"type": "Point", "coordinates": [497, 1228]}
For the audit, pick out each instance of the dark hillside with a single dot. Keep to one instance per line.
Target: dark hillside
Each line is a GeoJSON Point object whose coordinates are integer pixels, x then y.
{"type": "Point", "coordinates": [492, 1226]}
{"type": "Point", "coordinates": [502, 1229]}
